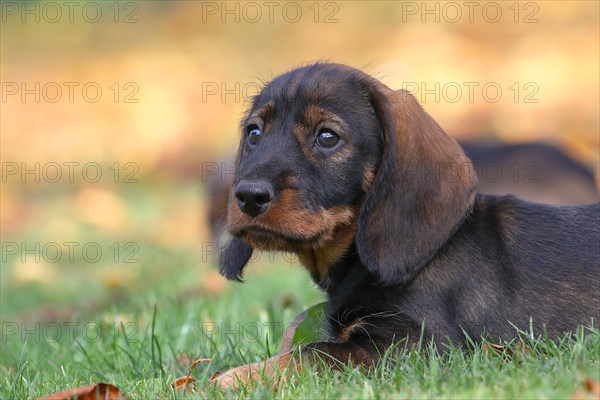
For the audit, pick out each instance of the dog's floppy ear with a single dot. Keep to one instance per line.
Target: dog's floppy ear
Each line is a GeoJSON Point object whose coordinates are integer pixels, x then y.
{"type": "Point", "coordinates": [234, 256]}
{"type": "Point", "coordinates": [424, 188]}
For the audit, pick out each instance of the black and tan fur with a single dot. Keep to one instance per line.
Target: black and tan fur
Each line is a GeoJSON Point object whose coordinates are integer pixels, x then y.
{"type": "Point", "coordinates": [389, 224]}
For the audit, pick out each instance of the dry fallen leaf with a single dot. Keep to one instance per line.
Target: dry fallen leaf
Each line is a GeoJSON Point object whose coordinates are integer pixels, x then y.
{"type": "Point", "coordinates": [593, 387]}
{"type": "Point", "coordinates": [184, 382]}
{"type": "Point", "coordinates": [95, 391]}
{"type": "Point", "coordinates": [591, 391]}
{"type": "Point", "coordinates": [495, 348]}
{"type": "Point", "coordinates": [506, 352]}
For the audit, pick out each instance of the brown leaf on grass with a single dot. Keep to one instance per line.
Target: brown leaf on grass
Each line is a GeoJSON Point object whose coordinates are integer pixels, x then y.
{"type": "Point", "coordinates": [506, 352]}
{"type": "Point", "coordinates": [493, 348]}
{"type": "Point", "coordinates": [184, 382]}
{"type": "Point", "coordinates": [593, 387]}
{"type": "Point", "coordinates": [96, 391]}
{"type": "Point", "coordinates": [590, 392]}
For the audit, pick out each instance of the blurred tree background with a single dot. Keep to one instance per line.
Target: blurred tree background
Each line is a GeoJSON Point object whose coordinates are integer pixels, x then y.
{"type": "Point", "coordinates": [150, 92]}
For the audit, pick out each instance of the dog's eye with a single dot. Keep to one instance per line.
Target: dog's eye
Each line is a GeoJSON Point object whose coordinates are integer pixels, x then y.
{"type": "Point", "coordinates": [254, 135]}
{"type": "Point", "coordinates": [327, 138]}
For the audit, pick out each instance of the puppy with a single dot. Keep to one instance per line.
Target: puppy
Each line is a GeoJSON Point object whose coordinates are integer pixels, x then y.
{"type": "Point", "coordinates": [380, 206]}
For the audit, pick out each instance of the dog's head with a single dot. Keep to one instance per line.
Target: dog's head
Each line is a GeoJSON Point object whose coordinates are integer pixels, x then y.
{"type": "Point", "coordinates": [328, 157]}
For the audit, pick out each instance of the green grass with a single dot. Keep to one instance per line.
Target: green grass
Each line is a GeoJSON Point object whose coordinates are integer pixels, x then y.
{"type": "Point", "coordinates": [146, 341]}
{"type": "Point", "coordinates": [140, 326]}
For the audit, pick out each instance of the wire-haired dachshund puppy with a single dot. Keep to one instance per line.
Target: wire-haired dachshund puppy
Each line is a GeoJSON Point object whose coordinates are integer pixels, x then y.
{"type": "Point", "coordinates": [380, 206]}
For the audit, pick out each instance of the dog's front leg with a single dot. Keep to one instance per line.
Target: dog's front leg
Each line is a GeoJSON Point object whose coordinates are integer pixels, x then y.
{"type": "Point", "coordinates": [264, 371]}
{"type": "Point", "coordinates": [281, 366]}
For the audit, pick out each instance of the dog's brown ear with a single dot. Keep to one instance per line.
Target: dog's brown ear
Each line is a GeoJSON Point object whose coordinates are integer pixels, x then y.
{"type": "Point", "coordinates": [424, 188]}
{"type": "Point", "coordinates": [234, 256]}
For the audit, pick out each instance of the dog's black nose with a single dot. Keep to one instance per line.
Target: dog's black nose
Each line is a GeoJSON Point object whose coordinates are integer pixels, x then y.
{"type": "Point", "coordinates": [253, 197]}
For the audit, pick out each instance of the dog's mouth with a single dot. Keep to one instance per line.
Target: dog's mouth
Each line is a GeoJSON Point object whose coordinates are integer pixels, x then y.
{"type": "Point", "coordinates": [319, 237]}
{"type": "Point", "coordinates": [287, 228]}
{"type": "Point", "coordinates": [289, 223]}
{"type": "Point", "coordinates": [270, 238]}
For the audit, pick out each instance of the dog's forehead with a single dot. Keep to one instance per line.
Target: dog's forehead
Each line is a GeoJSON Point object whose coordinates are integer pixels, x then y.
{"type": "Point", "coordinates": [315, 83]}
{"type": "Point", "coordinates": [321, 85]}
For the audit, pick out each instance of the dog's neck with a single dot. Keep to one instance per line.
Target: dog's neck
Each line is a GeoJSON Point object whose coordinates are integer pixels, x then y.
{"type": "Point", "coordinates": [320, 261]}
{"type": "Point", "coordinates": [346, 269]}
{"type": "Point", "coordinates": [344, 277]}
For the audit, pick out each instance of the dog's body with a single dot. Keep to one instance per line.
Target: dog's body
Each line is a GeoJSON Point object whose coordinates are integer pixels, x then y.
{"type": "Point", "coordinates": [482, 280]}
{"type": "Point", "coordinates": [380, 206]}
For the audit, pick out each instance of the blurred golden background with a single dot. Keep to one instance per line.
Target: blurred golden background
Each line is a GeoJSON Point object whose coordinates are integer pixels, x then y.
{"type": "Point", "coordinates": [148, 93]}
